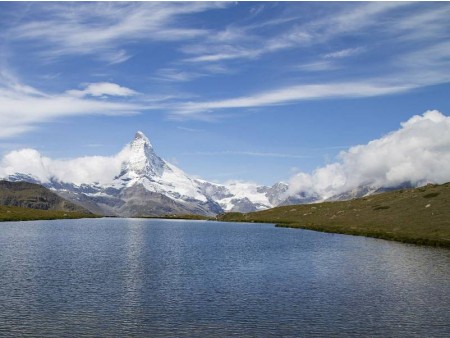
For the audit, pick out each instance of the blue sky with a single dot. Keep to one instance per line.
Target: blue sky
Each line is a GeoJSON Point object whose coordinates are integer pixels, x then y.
{"type": "Point", "coordinates": [247, 90]}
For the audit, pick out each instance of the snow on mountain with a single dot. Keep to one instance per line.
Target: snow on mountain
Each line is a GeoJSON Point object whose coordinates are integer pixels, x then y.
{"type": "Point", "coordinates": [145, 167]}
{"type": "Point", "coordinates": [243, 194]}
{"type": "Point", "coordinates": [277, 193]}
{"type": "Point", "coordinates": [142, 159]}
{"type": "Point", "coordinates": [148, 185]}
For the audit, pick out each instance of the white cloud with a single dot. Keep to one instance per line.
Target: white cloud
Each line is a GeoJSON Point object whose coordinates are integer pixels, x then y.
{"type": "Point", "coordinates": [227, 55]}
{"type": "Point", "coordinates": [316, 66]}
{"type": "Point", "coordinates": [426, 66]}
{"type": "Point", "coordinates": [23, 107]}
{"type": "Point", "coordinates": [101, 28]}
{"type": "Point", "coordinates": [424, 24]}
{"type": "Point", "coordinates": [296, 93]}
{"type": "Point", "coordinates": [411, 70]}
{"type": "Point", "coordinates": [411, 66]}
{"type": "Point", "coordinates": [238, 43]}
{"type": "Point", "coordinates": [27, 161]}
{"type": "Point", "coordinates": [343, 53]}
{"type": "Point", "coordinates": [175, 75]}
{"type": "Point", "coordinates": [116, 56]}
{"type": "Point", "coordinates": [101, 89]}
{"type": "Point", "coordinates": [88, 169]}
{"type": "Point", "coordinates": [418, 152]}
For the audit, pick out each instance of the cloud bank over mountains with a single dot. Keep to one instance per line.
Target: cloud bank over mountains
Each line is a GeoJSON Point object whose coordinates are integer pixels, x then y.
{"type": "Point", "coordinates": [418, 152]}
{"type": "Point", "coordinates": [87, 169]}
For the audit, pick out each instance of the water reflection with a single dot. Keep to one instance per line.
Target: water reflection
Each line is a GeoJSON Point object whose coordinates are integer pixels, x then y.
{"type": "Point", "coordinates": [133, 278]}
{"type": "Point", "coordinates": [116, 277]}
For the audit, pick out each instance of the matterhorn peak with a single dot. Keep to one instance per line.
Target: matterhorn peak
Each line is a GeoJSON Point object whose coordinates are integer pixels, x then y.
{"type": "Point", "coordinates": [140, 138]}
{"type": "Point", "coordinates": [142, 160]}
{"type": "Point", "coordinates": [139, 134]}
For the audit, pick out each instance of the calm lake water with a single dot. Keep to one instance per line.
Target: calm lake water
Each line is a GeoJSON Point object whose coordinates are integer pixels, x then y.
{"type": "Point", "coordinates": [134, 277]}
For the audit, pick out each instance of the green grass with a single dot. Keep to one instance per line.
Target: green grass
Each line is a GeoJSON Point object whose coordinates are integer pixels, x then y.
{"type": "Point", "coordinates": [420, 216]}
{"type": "Point", "coordinates": [34, 196]}
{"type": "Point", "coordinates": [8, 213]}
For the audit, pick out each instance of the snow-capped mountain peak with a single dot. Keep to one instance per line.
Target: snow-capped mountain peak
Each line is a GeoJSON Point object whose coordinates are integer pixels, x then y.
{"type": "Point", "coordinates": [143, 167]}
{"type": "Point", "coordinates": [140, 137]}
{"type": "Point", "coordinates": [148, 185]}
{"type": "Point", "coordinates": [142, 159]}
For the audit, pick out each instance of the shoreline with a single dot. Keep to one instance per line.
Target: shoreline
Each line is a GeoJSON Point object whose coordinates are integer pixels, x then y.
{"type": "Point", "coordinates": [438, 243]}
{"type": "Point", "coordinates": [430, 242]}
{"type": "Point", "coordinates": [19, 214]}
{"type": "Point", "coordinates": [417, 216]}
{"type": "Point", "coordinates": [392, 233]}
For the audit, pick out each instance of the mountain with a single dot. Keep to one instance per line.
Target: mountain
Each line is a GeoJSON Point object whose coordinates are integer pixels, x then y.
{"type": "Point", "coordinates": [34, 196]}
{"type": "Point", "coordinates": [237, 196]}
{"type": "Point", "coordinates": [419, 215]}
{"type": "Point", "coordinates": [147, 185]}
{"type": "Point", "coordinates": [367, 190]}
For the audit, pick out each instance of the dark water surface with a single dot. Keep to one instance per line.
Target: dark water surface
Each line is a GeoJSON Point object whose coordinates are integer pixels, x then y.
{"type": "Point", "coordinates": [125, 277]}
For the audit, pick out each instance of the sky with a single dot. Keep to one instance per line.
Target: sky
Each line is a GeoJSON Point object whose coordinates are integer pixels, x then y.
{"type": "Point", "coordinates": [251, 91]}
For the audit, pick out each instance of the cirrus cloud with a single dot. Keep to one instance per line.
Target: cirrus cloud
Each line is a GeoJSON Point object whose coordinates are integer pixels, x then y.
{"type": "Point", "coordinates": [23, 107]}
{"type": "Point", "coordinates": [103, 28]}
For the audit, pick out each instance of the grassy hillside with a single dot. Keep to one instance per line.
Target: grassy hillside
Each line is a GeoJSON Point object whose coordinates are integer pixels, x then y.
{"type": "Point", "coordinates": [8, 213]}
{"type": "Point", "coordinates": [23, 201]}
{"type": "Point", "coordinates": [420, 216]}
{"type": "Point", "coordinates": [35, 196]}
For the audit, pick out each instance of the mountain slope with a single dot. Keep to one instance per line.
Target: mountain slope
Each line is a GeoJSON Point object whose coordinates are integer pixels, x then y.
{"type": "Point", "coordinates": [8, 213]}
{"type": "Point", "coordinates": [34, 196]}
{"type": "Point", "coordinates": [145, 185]}
{"type": "Point", "coordinates": [420, 215]}
{"type": "Point", "coordinates": [140, 183]}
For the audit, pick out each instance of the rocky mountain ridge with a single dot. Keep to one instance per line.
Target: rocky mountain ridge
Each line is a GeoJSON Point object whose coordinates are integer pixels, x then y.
{"type": "Point", "coordinates": [34, 196]}
{"type": "Point", "coordinates": [147, 185]}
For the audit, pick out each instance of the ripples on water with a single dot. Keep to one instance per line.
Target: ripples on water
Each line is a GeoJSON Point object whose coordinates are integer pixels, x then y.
{"type": "Point", "coordinates": [124, 277]}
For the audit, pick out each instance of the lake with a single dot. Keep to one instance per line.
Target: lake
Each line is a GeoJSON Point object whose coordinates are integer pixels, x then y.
{"type": "Point", "coordinates": [137, 277]}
